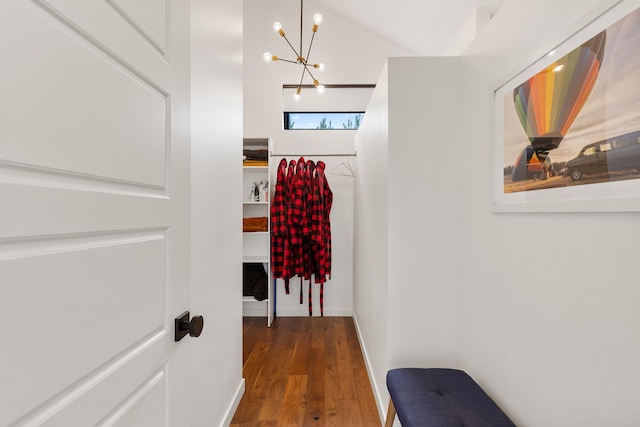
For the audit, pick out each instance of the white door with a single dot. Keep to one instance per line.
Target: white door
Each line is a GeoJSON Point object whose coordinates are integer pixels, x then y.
{"type": "Point", "coordinates": [94, 205]}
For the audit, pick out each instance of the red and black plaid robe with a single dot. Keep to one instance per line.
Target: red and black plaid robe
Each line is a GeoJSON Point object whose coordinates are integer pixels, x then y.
{"type": "Point", "coordinates": [278, 221]}
{"type": "Point", "coordinates": [301, 230]}
{"type": "Point", "coordinates": [321, 224]}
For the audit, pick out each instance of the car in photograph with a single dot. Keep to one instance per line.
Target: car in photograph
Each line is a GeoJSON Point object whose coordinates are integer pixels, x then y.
{"type": "Point", "coordinates": [619, 153]}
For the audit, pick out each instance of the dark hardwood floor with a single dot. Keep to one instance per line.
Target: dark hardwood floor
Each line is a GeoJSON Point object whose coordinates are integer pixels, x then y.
{"type": "Point", "coordinates": [304, 371]}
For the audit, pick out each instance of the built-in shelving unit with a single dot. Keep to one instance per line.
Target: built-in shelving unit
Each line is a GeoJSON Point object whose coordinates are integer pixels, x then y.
{"type": "Point", "coordinates": [256, 244]}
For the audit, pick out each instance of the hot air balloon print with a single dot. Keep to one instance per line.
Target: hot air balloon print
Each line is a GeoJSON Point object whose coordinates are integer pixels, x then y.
{"type": "Point", "coordinates": [548, 103]}
{"type": "Point", "coordinates": [530, 164]}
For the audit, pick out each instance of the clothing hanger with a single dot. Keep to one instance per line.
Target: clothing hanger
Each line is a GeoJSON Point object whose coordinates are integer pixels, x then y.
{"type": "Point", "coordinates": [343, 169]}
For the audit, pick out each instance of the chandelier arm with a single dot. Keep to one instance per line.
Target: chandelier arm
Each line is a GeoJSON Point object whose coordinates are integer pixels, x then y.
{"type": "Point", "coordinates": [307, 70]}
{"type": "Point", "coordinates": [301, 3]}
{"type": "Point", "coordinates": [292, 48]}
{"type": "Point", "coordinates": [288, 60]}
{"type": "Point", "coordinates": [313, 35]}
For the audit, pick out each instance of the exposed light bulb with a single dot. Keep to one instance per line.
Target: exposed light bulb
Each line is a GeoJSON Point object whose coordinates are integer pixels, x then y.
{"type": "Point", "coordinates": [267, 57]}
{"type": "Point", "coordinates": [297, 95]}
{"type": "Point", "coordinates": [319, 66]}
{"type": "Point", "coordinates": [277, 27]}
{"type": "Point", "coordinates": [317, 19]}
{"type": "Point", "coordinates": [552, 53]}
{"type": "Point", "coordinates": [320, 88]}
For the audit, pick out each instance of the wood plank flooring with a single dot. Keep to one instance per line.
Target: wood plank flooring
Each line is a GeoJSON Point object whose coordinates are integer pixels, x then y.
{"type": "Point", "coordinates": [304, 371]}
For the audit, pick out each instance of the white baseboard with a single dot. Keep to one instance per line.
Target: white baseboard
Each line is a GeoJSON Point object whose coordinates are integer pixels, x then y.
{"type": "Point", "coordinates": [380, 403]}
{"type": "Point", "coordinates": [303, 311]}
{"type": "Point", "coordinates": [234, 405]}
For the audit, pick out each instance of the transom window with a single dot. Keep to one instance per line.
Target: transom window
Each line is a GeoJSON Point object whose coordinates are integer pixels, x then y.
{"type": "Point", "coordinates": [323, 121]}
{"type": "Point", "coordinates": [339, 107]}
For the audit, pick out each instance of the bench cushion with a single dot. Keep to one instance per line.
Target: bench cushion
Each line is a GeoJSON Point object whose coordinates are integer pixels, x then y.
{"type": "Point", "coordinates": [438, 397]}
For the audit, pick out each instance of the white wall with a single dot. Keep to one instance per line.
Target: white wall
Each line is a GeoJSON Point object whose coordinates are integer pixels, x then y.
{"type": "Point", "coordinates": [425, 124]}
{"type": "Point", "coordinates": [216, 197]}
{"type": "Point", "coordinates": [407, 238]}
{"type": "Point", "coordinates": [352, 55]}
{"type": "Point", "coordinates": [550, 332]}
{"type": "Point", "coordinates": [556, 345]}
{"type": "Point", "coordinates": [371, 226]}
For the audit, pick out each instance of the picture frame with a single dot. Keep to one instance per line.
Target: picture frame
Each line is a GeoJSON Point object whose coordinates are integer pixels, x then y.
{"type": "Point", "coordinates": [567, 128]}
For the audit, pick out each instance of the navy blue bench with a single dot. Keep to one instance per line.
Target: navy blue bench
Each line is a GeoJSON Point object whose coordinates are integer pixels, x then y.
{"type": "Point", "coordinates": [438, 397]}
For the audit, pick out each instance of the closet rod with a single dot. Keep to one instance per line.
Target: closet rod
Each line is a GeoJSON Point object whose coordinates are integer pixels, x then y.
{"type": "Point", "coordinates": [313, 155]}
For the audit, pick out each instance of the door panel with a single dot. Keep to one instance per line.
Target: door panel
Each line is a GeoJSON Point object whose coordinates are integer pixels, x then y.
{"type": "Point", "coordinates": [148, 16]}
{"type": "Point", "coordinates": [140, 408]}
{"type": "Point", "coordinates": [120, 34]}
{"type": "Point", "coordinates": [104, 398]}
{"type": "Point", "coordinates": [113, 124]}
{"type": "Point", "coordinates": [94, 183]}
{"type": "Point", "coordinates": [97, 274]}
{"type": "Point", "coordinates": [76, 205]}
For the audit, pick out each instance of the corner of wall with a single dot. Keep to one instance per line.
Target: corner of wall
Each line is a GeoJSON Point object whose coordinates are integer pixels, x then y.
{"type": "Point", "coordinates": [216, 149]}
{"type": "Point", "coordinates": [370, 238]}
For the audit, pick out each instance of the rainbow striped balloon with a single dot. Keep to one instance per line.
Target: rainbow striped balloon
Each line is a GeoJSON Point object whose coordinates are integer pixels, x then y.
{"type": "Point", "coordinates": [548, 103]}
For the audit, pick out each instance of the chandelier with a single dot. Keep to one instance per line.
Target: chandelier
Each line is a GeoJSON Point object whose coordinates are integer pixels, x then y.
{"type": "Point", "coordinates": [300, 60]}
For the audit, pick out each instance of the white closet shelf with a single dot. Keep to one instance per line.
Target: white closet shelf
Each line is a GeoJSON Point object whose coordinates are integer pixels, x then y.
{"type": "Point", "coordinates": [255, 258]}
{"type": "Point", "coordinates": [253, 299]}
{"type": "Point", "coordinates": [256, 246]}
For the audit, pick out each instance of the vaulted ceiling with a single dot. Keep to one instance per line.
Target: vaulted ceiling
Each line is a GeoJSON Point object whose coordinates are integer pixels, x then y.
{"type": "Point", "coordinates": [424, 26]}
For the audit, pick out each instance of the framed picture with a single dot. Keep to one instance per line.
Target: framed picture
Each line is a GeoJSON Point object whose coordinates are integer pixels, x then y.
{"type": "Point", "coordinates": [568, 127]}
